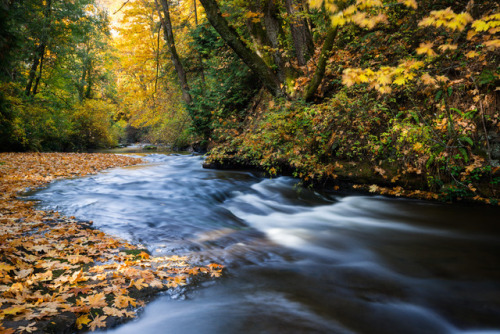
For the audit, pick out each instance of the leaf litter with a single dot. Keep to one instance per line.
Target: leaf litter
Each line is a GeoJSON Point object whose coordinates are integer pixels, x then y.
{"type": "Point", "coordinates": [58, 274]}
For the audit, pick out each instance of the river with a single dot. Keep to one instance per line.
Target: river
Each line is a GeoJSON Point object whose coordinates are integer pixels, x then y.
{"type": "Point", "coordinates": [298, 261]}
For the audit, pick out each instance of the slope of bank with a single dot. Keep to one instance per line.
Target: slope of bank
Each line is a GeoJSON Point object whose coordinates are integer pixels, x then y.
{"type": "Point", "coordinates": [355, 139]}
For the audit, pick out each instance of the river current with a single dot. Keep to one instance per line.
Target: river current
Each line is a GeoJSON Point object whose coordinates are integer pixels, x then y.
{"type": "Point", "coordinates": [297, 261]}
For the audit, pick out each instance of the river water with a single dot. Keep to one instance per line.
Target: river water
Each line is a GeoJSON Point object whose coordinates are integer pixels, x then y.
{"type": "Point", "coordinates": [297, 261]}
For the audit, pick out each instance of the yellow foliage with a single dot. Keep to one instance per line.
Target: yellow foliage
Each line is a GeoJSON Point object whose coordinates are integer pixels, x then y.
{"type": "Point", "coordinates": [480, 25]}
{"type": "Point", "coordinates": [494, 43]}
{"type": "Point", "coordinates": [316, 3]}
{"type": "Point", "coordinates": [446, 18]}
{"type": "Point", "coordinates": [446, 47]}
{"type": "Point", "coordinates": [427, 79]}
{"type": "Point", "coordinates": [426, 48]}
{"type": "Point", "coordinates": [409, 3]}
{"type": "Point", "coordinates": [364, 13]}
{"type": "Point", "coordinates": [401, 80]}
{"type": "Point", "coordinates": [471, 54]}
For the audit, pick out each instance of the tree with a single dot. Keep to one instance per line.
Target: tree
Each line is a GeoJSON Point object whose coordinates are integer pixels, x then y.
{"type": "Point", "coordinates": [39, 53]}
{"type": "Point", "coordinates": [269, 79]}
{"type": "Point", "coordinates": [301, 34]}
{"type": "Point", "coordinates": [169, 37]}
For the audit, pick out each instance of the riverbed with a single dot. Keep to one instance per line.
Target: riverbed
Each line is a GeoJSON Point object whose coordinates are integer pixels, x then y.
{"type": "Point", "coordinates": [297, 260]}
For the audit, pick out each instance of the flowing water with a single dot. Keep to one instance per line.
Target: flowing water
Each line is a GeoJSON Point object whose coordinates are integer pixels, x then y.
{"type": "Point", "coordinates": [297, 261]}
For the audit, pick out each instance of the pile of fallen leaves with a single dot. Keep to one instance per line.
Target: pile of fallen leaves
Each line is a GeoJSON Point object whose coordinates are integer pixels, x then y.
{"type": "Point", "coordinates": [58, 274]}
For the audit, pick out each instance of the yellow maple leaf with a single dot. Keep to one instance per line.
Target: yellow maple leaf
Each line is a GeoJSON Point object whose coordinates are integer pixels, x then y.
{"type": "Point", "coordinates": [384, 89]}
{"type": "Point", "coordinates": [384, 79]}
{"type": "Point", "coordinates": [400, 80]}
{"type": "Point", "coordinates": [427, 79]}
{"type": "Point", "coordinates": [13, 310]}
{"type": "Point", "coordinates": [82, 320]}
{"type": "Point", "coordinates": [349, 77]}
{"type": "Point", "coordinates": [426, 21]}
{"type": "Point", "coordinates": [96, 301]}
{"type": "Point", "coordinates": [480, 25]}
{"type": "Point", "coordinates": [471, 54]}
{"type": "Point", "coordinates": [362, 77]}
{"type": "Point", "coordinates": [139, 284]}
{"type": "Point", "coordinates": [144, 255]}
{"type": "Point", "coordinates": [409, 3]}
{"type": "Point", "coordinates": [156, 284]}
{"type": "Point", "coordinates": [176, 281]}
{"type": "Point", "coordinates": [78, 276]}
{"type": "Point", "coordinates": [417, 147]}
{"type": "Point", "coordinates": [338, 20]}
{"type": "Point", "coordinates": [123, 301]}
{"type": "Point", "coordinates": [442, 78]}
{"type": "Point", "coordinates": [316, 3]}
{"type": "Point", "coordinates": [471, 34]}
{"type": "Point", "coordinates": [446, 47]}
{"type": "Point", "coordinates": [494, 43]}
{"type": "Point", "coordinates": [17, 287]}
{"type": "Point", "coordinates": [6, 267]}
{"type": "Point", "coordinates": [114, 312]}
{"type": "Point", "coordinates": [98, 322]}
{"type": "Point", "coordinates": [426, 48]}
{"type": "Point", "coordinates": [373, 188]}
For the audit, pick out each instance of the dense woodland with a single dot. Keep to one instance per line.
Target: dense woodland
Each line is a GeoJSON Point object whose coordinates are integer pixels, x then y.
{"type": "Point", "coordinates": [403, 94]}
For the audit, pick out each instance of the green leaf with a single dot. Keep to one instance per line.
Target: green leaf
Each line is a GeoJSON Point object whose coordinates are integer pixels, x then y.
{"type": "Point", "coordinates": [486, 77]}
{"type": "Point", "coordinates": [467, 140]}
{"type": "Point", "coordinates": [464, 154]}
{"type": "Point", "coordinates": [430, 161]}
{"type": "Point", "coordinates": [438, 95]}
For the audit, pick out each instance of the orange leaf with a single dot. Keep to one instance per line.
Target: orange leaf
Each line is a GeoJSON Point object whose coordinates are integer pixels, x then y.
{"type": "Point", "coordinates": [98, 322]}
{"type": "Point", "coordinates": [96, 301]}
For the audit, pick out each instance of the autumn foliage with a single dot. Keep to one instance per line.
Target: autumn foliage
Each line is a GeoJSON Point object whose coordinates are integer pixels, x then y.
{"type": "Point", "coordinates": [408, 105]}
{"type": "Point", "coordinates": [58, 273]}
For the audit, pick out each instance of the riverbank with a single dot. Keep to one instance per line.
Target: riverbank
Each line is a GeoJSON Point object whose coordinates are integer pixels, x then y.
{"type": "Point", "coordinates": [355, 141]}
{"type": "Point", "coordinates": [58, 274]}
{"type": "Point", "coordinates": [363, 177]}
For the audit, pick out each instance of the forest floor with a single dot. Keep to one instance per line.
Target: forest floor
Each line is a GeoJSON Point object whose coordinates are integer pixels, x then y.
{"type": "Point", "coordinates": [60, 275]}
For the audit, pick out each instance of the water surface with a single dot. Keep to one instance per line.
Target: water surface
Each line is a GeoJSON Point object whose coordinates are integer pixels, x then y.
{"type": "Point", "coordinates": [297, 261]}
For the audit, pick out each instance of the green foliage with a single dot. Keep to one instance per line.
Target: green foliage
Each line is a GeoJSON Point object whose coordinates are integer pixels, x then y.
{"type": "Point", "coordinates": [42, 124]}
{"type": "Point", "coordinates": [53, 62]}
{"type": "Point", "coordinates": [227, 89]}
{"type": "Point", "coordinates": [92, 126]}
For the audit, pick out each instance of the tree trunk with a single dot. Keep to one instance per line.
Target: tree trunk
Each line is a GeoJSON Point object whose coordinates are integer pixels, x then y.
{"type": "Point", "coordinates": [195, 13]}
{"type": "Point", "coordinates": [34, 67]}
{"type": "Point", "coordinates": [301, 35]}
{"type": "Point", "coordinates": [40, 50]}
{"type": "Point", "coordinates": [229, 34]}
{"type": "Point", "coordinates": [37, 81]}
{"type": "Point", "coordinates": [88, 90]}
{"type": "Point", "coordinates": [169, 37]}
{"type": "Point", "coordinates": [81, 85]}
{"type": "Point", "coordinates": [200, 59]}
{"type": "Point", "coordinates": [258, 34]}
{"type": "Point", "coordinates": [320, 70]}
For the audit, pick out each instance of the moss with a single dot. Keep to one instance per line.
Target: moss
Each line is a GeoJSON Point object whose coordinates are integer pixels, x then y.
{"type": "Point", "coordinates": [136, 252]}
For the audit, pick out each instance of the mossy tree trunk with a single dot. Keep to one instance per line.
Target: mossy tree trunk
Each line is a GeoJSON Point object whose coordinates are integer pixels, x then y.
{"type": "Point", "coordinates": [269, 79]}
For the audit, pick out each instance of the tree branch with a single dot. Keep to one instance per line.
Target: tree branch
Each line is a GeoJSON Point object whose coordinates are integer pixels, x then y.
{"type": "Point", "coordinates": [123, 5]}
